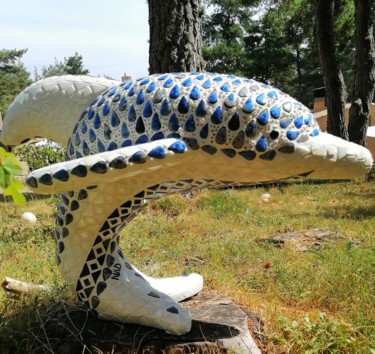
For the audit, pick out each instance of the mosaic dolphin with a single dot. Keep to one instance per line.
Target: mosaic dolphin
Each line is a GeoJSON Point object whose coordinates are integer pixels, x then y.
{"type": "Point", "coordinates": [141, 140]}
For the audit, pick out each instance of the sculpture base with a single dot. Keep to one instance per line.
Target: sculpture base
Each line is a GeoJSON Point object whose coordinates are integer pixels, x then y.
{"type": "Point", "coordinates": [219, 326]}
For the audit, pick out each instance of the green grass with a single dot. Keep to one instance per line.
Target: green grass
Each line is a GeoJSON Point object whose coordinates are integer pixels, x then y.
{"type": "Point", "coordinates": [318, 301]}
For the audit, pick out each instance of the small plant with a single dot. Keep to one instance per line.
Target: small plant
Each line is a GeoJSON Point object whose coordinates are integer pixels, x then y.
{"type": "Point", "coordinates": [40, 156]}
{"type": "Point", "coordinates": [9, 167]}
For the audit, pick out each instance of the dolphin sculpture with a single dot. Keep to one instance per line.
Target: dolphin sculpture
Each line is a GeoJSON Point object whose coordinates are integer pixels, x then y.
{"type": "Point", "coordinates": [132, 142]}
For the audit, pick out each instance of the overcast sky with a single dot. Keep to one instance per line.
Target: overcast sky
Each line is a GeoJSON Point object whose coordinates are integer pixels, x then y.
{"type": "Point", "coordinates": [111, 35]}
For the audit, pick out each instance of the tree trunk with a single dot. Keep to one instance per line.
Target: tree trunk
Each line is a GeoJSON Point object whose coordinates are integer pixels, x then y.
{"type": "Point", "coordinates": [175, 36]}
{"type": "Point", "coordinates": [333, 78]}
{"type": "Point", "coordinates": [364, 85]}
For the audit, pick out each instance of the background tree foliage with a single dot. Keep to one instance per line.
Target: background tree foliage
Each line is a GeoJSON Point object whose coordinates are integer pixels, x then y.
{"type": "Point", "coordinates": [13, 76]}
{"type": "Point", "coordinates": [72, 65]}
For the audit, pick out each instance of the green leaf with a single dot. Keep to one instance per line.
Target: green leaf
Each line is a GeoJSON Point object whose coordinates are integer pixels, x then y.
{"type": "Point", "coordinates": [13, 191]}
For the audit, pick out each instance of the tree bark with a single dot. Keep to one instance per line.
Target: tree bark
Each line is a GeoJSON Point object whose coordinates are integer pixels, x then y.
{"type": "Point", "coordinates": [364, 86]}
{"type": "Point", "coordinates": [175, 36]}
{"type": "Point", "coordinates": [333, 78]}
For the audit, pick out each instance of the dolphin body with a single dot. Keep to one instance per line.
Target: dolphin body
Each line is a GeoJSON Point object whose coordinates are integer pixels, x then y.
{"type": "Point", "coordinates": [141, 140]}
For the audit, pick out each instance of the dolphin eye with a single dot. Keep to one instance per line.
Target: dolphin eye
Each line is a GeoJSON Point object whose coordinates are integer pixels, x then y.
{"type": "Point", "coordinates": [274, 134]}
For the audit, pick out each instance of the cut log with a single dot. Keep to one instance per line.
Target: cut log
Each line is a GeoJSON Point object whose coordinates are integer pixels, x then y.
{"type": "Point", "coordinates": [20, 287]}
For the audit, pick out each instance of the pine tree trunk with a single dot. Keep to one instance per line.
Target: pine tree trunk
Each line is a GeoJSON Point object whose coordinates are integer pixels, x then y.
{"type": "Point", "coordinates": [175, 35]}
{"type": "Point", "coordinates": [364, 85]}
{"type": "Point", "coordinates": [333, 78]}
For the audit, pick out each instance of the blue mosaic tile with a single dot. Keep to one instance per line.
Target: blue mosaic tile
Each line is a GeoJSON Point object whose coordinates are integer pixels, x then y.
{"type": "Point", "coordinates": [209, 149]}
{"type": "Point", "coordinates": [183, 105]}
{"type": "Point", "coordinates": [263, 117]}
{"type": "Point", "coordinates": [118, 162]}
{"type": "Point", "coordinates": [116, 98]}
{"type": "Point", "coordinates": [140, 98]}
{"type": "Point", "coordinates": [261, 99]}
{"type": "Point", "coordinates": [112, 146]}
{"type": "Point", "coordinates": [107, 132]}
{"type": "Point", "coordinates": [101, 101]}
{"type": "Point", "coordinates": [173, 123]}
{"type": "Point", "coordinates": [187, 83]}
{"type": "Point", "coordinates": [101, 146]}
{"type": "Point", "coordinates": [262, 144]}
{"type": "Point", "coordinates": [287, 106]}
{"type": "Point", "coordinates": [94, 101]}
{"type": "Point", "coordinates": [239, 140]}
{"type": "Point", "coordinates": [84, 128]}
{"type": "Point", "coordinates": [243, 92]}
{"type": "Point", "coordinates": [174, 135]}
{"type": "Point", "coordinates": [162, 77]}
{"type": "Point", "coordinates": [192, 143]}
{"type": "Point", "coordinates": [206, 84]}
{"type": "Point", "coordinates": [204, 132]}
{"type": "Point", "coordinates": [157, 153]}
{"type": "Point", "coordinates": [288, 148]}
{"type": "Point", "coordinates": [157, 136]}
{"type": "Point", "coordinates": [251, 129]}
{"type": "Point", "coordinates": [272, 94]}
{"type": "Point", "coordinates": [75, 128]}
{"type": "Point", "coordinates": [126, 143]}
{"type": "Point", "coordinates": [112, 91]}
{"type": "Point", "coordinates": [99, 167]}
{"type": "Point", "coordinates": [106, 109]}
{"type": "Point", "coordinates": [195, 94]}
{"type": "Point", "coordinates": [145, 81]}
{"type": "Point", "coordinates": [131, 92]}
{"type": "Point", "coordinates": [71, 149]}
{"type": "Point", "coordinates": [248, 154]}
{"type": "Point", "coordinates": [315, 132]}
{"type": "Point", "coordinates": [155, 122]}
{"type": "Point", "coordinates": [151, 87]}
{"type": "Point", "coordinates": [124, 130]}
{"type": "Point", "coordinates": [140, 126]}
{"type": "Point", "coordinates": [229, 152]}
{"type": "Point", "coordinates": [132, 115]}
{"type": "Point", "coordinates": [122, 104]}
{"type": "Point", "coordinates": [230, 101]}
{"type": "Point", "coordinates": [142, 139]}
{"type": "Point", "coordinates": [221, 136]}
{"type": "Point", "coordinates": [248, 106]}
{"type": "Point", "coordinates": [128, 85]}
{"type": "Point", "coordinates": [147, 110]}
{"type": "Point", "coordinates": [201, 110]}
{"type": "Point", "coordinates": [46, 179]}
{"type": "Point", "coordinates": [308, 119]}
{"type": "Point", "coordinates": [225, 87]}
{"type": "Point", "coordinates": [165, 108]}
{"type": "Point", "coordinates": [234, 122]}
{"type": "Point", "coordinates": [275, 111]}
{"type": "Point", "coordinates": [79, 171]}
{"type": "Point", "coordinates": [175, 92]}
{"type": "Point", "coordinates": [92, 135]}
{"type": "Point", "coordinates": [90, 113]}
{"type": "Point", "coordinates": [115, 120]}
{"type": "Point", "coordinates": [168, 83]}
{"type": "Point", "coordinates": [97, 121]}
{"type": "Point", "coordinates": [284, 122]}
{"type": "Point", "coordinates": [200, 77]}
{"type": "Point", "coordinates": [177, 147]}
{"type": "Point", "coordinates": [212, 97]}
{"type": "Point", "coordinates": [298, 122]}
{"type": "Point", "coordinates": [32, 182]}
{"type": "Point", "coordinates": [190, 124]}
{"type": "Point", "coordinates": [269, 155]}
{"type": "Point", "coordinates": [217, 116]}
{"type": "Point", "coordinates": [77, 139]}
{"type": "Point", "coordinates": [85, 148]}
{"type": "Point", "coordinates": [218, 78]}
{"type": "Point", "coordinates": [138, 157]}
{"type": "Point", "coordinates": [158, 96]}
{"type": "Point", "coordinates": [78, 155]}
{"type": "Point", "coordinates": [292, 134]}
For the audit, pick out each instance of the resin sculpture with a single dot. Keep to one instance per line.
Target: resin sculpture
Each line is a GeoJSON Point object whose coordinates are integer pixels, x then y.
{"type": "Point", "coordinates": [141, 140]}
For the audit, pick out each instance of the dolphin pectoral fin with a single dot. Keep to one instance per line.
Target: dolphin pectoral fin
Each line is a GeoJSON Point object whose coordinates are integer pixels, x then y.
{"type": "Point", "coordinates": [106, 167]}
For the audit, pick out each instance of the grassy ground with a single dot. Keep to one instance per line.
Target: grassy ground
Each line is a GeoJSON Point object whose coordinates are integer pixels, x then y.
{"type": "Point", "coordinates": [320, 300]}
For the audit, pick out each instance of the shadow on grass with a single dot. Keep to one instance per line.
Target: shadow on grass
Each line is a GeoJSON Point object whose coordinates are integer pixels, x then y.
{"type": "Point", "coordinates": [64, 326]}
{"type": "Point", "coordinates": [351, 212]}
{"type": "Point", "coordinates": [29, 197]}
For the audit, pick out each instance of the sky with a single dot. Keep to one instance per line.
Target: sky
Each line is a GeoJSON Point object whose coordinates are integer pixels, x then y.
{"type": "Point", "coordinates": [111, 35]}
